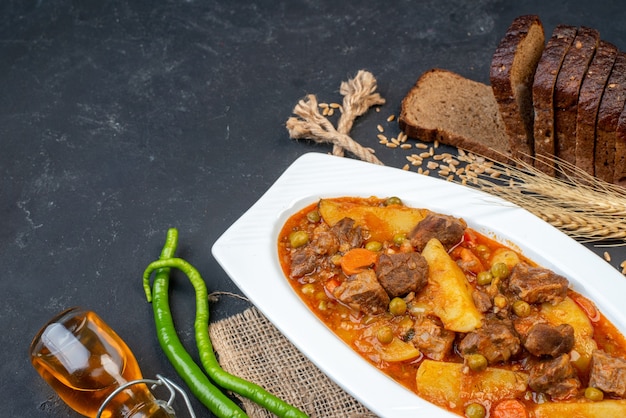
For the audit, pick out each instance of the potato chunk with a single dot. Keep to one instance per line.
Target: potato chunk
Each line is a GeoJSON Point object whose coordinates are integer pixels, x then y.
{"type": "Point", "coordinates": [568, 312]}
{"type": "Point", "coordinates": [450, 293]}
{"type": "Point", "coordinates": [446, 385]}
{"type": "Point", "coordinates": [397, 350]}
{"type": "Point", "coordinates": [602, 409]}
{"type": "Point", "coordinates": [382, 222]}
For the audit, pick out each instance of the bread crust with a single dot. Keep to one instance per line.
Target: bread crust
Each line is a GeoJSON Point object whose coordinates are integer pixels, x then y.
{"type": "Point", "coordinates": [609, 112]}
{"type": "Point", "coordinates": [511, 75]}
{"type": "Point", "coordinates": [619, 171]}
{"type": "Point", "coordinates": [567, 89]}
{"type": "Point", "coordinates": [543, 94]}
{"type": "Point", "coordinates": [588, 102]}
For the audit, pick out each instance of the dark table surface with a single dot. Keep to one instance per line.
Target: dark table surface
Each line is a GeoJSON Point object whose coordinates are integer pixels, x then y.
{"type": "Point", "coordinates": [119, 120]}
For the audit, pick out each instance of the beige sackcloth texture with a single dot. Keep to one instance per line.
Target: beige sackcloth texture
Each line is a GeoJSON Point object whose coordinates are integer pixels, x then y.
{"type": "Point", "coordinates": [249, 346]}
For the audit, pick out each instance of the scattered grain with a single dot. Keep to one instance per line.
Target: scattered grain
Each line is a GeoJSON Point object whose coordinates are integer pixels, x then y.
{"type": "Point", "coordinates": [425, 155]}
{"type": "Point", "coordinates": [391, 145]}
{"type": "Point", "coordinates": [381, 137]}
{"type": "Point", "coordinates": [391, 118]}
{"type": "Point", "coordinates": [607, 256]}
{"type": "Point", "coordinates": [405, 146]}
{"type": "Point", "coordinates": [421, 146]}
{"type": "Point", "coordinates": [405, 167]}
{"type": "Point", "coordinates": [432, 165]}
{"type": "Point", "coordinates": [380, 128]}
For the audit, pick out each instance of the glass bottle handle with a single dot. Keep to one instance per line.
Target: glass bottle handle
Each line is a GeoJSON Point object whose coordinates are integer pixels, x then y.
{"type": "Point", "coordinates": [160, 381]}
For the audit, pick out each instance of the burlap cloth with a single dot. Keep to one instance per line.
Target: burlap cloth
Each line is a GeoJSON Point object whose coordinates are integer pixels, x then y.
{"type": "Point", "coordinates": [249, 346]}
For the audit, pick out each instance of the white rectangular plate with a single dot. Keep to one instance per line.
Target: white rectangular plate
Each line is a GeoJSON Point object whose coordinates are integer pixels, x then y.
{"type": "Point", "coordinates": [247, 251]}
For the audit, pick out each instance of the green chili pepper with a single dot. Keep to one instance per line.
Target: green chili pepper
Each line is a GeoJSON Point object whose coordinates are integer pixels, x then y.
{"type": "Point", "coordinates": [224, 379]}
{"type": "Point", "coordinates": [211, 396]}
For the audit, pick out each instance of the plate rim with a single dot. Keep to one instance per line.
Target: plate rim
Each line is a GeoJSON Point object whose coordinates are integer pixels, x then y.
{"type": "Point", "coordinates": [340, 176]}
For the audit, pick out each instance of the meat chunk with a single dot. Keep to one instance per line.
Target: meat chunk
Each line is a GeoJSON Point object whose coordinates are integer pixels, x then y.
{"type": "Point", "coordinates": [402, 273]}
{"type": "Point", "coordinates": [496, 340]}
{"type": "Point", "coordinates": [608, 373]}
{"type": "Point", "coordinates": [556, 377]}
{"type": "Point", "coordinates": [349, 235]}
{"type": "Point", "coordinates": [537, 284]}
{"type": "Point", "coordinates": [363, 292]}
{"type": "Point", "coordinates": [447, 229]}
{"type": "Point", "coordinates": [432, 339]}
{"type": "Point", "coordinates": [303, 261]}
{"type": "Point", "coordinates": [324, 241]}
{"type": "Point", "coordinates": [306, 259]}
{"type": "Point", "coordinates": [482, 301]}
{"type": "Point", "coordinates": [549, 340]}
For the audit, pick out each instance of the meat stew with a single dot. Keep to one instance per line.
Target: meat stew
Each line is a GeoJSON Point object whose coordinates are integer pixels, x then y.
{"type": "Point", "coordinates": [463, 321]}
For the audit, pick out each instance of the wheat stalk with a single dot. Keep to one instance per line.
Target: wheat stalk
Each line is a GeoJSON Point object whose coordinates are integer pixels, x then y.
{"type": "Point", "coordinates": [577, 203]}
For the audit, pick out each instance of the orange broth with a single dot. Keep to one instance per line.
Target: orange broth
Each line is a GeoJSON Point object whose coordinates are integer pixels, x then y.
{"type": "Point", "coordinates": [352, 326]}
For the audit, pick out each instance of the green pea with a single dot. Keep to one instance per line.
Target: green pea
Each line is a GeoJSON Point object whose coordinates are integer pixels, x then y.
{"type": "Point", "coordinates": [374, 246]}
{"type": "Point", "coordinates": [521, 308]}
{"type": "Point", "coordinates": [397, 306]}
{"type": "Point", "coordinates": [399, 238]}
{"type": "Point", "coordinates": [313, 216]}
{"type": "Point", "coordinates": [500, 270]}
{"type": "Point", "coordinates": [393, 201]}
{"type": "Point", "coordinates": [475, 410]}
{"type": "Point", "coordinates": [483, 250]}
{"type": "Point", "coordinates": [476, 362]}
{"type": "Point", "coordinates": [484, 278]}
{"type": "Point", "coordinates": [298, 239]}
{"type": "Point", "coordinates": [594, 394]}
{"type": "Point", "coordinates": [384, 334]}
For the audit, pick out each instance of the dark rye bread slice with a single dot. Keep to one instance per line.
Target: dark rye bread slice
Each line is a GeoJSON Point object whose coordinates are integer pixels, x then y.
{"type": "Point", "coordinates": [511, 76]}
{"type": "Point", "coordinates": [543, 95]}
{"type": "Point", "coordinates": [619, 171]}
{"type": "Point", "coordinates": [454, 110]}
{"type": "Point", "coordinates": [588, 102]}
{"type": "Point", "coordinates": [567, 88]}
{"type": "Point", "coordinates": [609, 112]}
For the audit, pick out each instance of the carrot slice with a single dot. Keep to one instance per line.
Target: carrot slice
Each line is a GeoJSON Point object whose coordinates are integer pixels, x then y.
{"type": "Point", "coordinates": [469, 261]}
{"type": "Point", "coordinates": [587, 306]}
{"type": "Point", "coordinates": [356, 260]}
{"type": "Point", "coordinates": [331, 285]}
{"type": "Point", "coordinates": [509, 408]}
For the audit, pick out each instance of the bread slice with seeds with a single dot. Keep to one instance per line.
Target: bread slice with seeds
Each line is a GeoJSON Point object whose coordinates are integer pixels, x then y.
{"type": "Point", "coordinates": [511, 75]}
{"type": "Point", "coordinates": [454, 110]}
{"type": "Point", "coordinates": [567, 89]}
{"type": "Point", "coordinates": [588, 102]}
{"type": "Point", "coordinates": [609, 112]}
{"type": "Point", "coordinates": [543, 95]}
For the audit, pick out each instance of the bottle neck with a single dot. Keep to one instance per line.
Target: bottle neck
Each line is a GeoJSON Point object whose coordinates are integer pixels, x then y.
{"type": "Point", "coordinates": [134, 400]}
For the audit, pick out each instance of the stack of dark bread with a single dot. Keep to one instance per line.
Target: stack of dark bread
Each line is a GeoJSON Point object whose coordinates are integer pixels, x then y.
{"type": "Point", "coordinates": [548, 101]}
